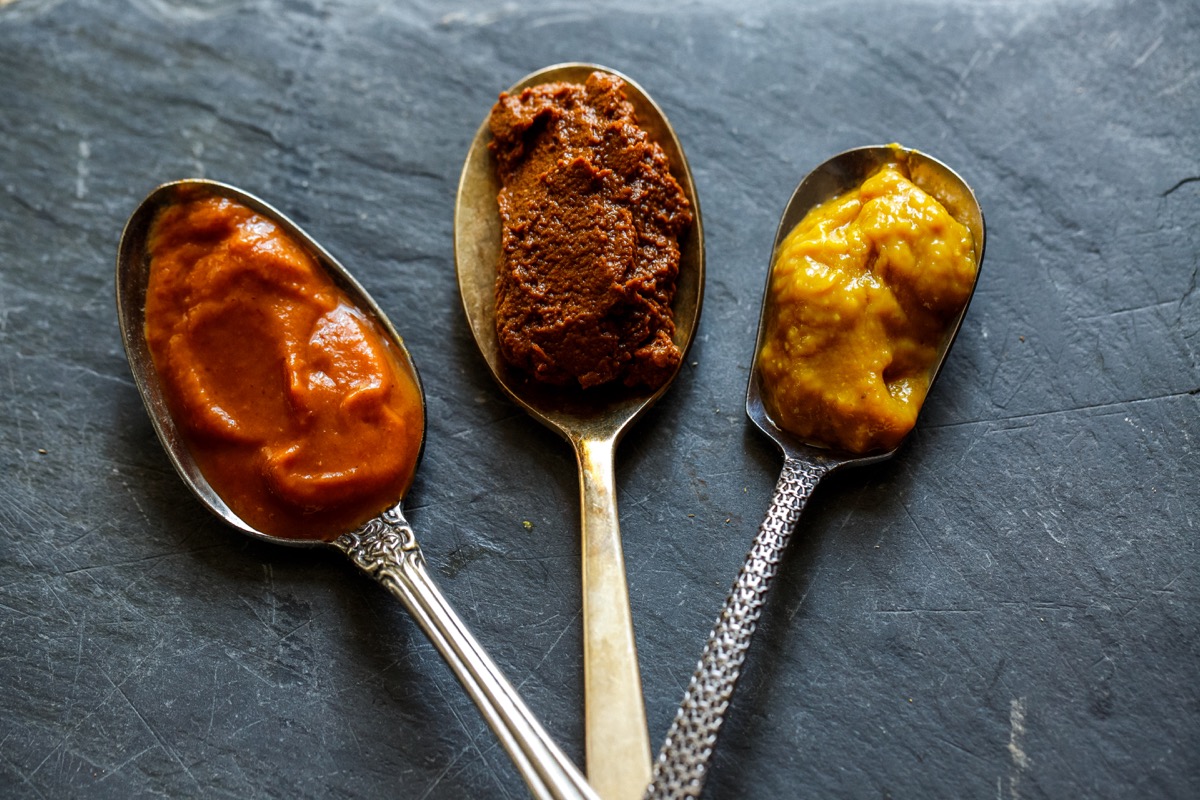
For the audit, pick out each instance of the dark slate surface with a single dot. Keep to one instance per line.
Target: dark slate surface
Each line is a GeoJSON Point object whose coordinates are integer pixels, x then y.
{"type": "Point", "coordinates": [1008, 609]}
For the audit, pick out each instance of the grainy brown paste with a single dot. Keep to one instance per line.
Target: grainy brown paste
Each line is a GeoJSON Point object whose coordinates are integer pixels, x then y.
{"type": "Point", "coordinates": [590, 255]}
{"type": "Point", "coordinates": [292, 400]}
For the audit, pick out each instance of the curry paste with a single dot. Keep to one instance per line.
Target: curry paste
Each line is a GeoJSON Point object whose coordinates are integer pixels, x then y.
{"type": "Point", "coordinates": [292, 400]}
{"type": "Point", "coordinates": [590, 253]}
{"type": "Point", "coordinates": [862, 294]}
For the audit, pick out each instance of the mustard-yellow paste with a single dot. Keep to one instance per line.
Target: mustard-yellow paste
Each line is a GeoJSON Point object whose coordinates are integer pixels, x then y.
{"type": "Point", "coordinates": [863, 293]}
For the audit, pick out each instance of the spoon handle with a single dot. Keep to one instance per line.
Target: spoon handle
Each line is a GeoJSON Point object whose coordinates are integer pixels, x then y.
{"type": "Point", "coordinates": [617, 739]}
{"type": "Point", "coordinates": [386, 549]}
{"type": "Point", "coordinates": [682, 764]}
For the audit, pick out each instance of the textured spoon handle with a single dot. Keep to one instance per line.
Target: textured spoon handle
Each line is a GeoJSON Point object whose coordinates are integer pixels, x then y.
{"type": "Point", "coordinates": [682, 763]}
{"type": "Point", "coordinates": [386, 549]}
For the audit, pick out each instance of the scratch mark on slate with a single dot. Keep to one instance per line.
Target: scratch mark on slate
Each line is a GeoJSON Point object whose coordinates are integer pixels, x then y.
{"type": "Point", "coordinates": [354, 735]}
{"type": "Point", "coordinates": [270, 573]}
{"type": "Point", "coordinates": [1183, 182]}
{"type": "Point", "coordinates": [265, 660]}
{"type": "Point", "coordinates": [103, 702]}
{"type": "Point", "coordinates": [1107, 315]}
{"type": "Point", "coordinates": [1016, 735]}
{"type": "Point", "coordinates": [1149, 52]}
{"type": "Point", "coordinates": [212, 706]}
{"type": "Point", "coordinates": [247, 727]}
{"type": "Point", "coordinates": [960, 748]}
{"type": "Point", "coordinates": [17, 770]}
{"type": "Point", "coordinates": [161, 742]}
{"type": "Point", "coordinates": [117, 769]}
{"type": "Point", "coordinates": [81, 169]}
{"type": "Point", "coordinates": [926, 611]}
{"type": "Point", "coordinates": [1114, 407]}
{"type": "Point", "coordinates": [474, 743]}
{"type": "Point", "coordinates": [294, 630]}
{"type": "Point", "coordinates": [143, 560]}
{"type": "Point", "coordinates": [549, 650]}
{"type": "Point", "coordinates": [1179, 84]}
{"type": "Point", "coordinates": [438, 779]}
{"type": "Point", "coordinates": [933, 551]}
{"type": "Point", "coordinates": [78, 656]}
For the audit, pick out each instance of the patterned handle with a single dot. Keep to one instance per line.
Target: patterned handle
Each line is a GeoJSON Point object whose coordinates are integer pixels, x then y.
{"type": "Point", "coordinates": [386, 549]}
{"type": "Point", "coordinates": [682, 764]}
{"type": "Point", "coordinates": [382, 544]}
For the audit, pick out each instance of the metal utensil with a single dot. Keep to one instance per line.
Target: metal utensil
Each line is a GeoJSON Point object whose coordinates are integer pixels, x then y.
{"type": "Point", "coordinates": [682, 764]}
{"type": "Point", "coordinates": [617, 741]}
{"type": "Point", "coordinates": [385, 547]}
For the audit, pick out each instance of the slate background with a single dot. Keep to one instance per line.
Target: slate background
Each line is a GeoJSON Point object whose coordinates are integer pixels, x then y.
{"type": "Point", "coordinates": [1007, 609]}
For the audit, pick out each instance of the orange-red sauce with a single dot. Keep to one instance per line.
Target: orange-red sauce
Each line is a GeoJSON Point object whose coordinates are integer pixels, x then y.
{"type": "Point", "coordinates": [294, 403]}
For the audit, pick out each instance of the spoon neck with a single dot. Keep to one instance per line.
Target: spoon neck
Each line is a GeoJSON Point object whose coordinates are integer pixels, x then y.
{"type": "Point", "coordinates": [595, 455]}
{"type": "Point", "coordinates": [384, 542]}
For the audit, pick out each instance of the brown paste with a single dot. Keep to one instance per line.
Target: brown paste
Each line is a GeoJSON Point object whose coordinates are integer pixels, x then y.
{"type": "Point", "coordinates": [590, 253]}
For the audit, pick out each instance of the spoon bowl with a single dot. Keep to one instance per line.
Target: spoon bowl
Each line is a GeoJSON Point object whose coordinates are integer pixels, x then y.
{"type": "Point", "coordinates": [607, 411]}
{"type": "Point", "coordinates": [133, 278]}
{"type": "Point", "coordinates": [682, 764]}
{"type": "Point", "coordinates": [384, 547]}
{"type": "Point", "coordinates": [617, 741]}
{"type": "Point", "coordinates": [838, 175]}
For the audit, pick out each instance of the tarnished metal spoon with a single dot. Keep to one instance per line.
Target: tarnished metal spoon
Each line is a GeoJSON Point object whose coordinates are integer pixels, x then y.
{"type": "Point", "coordinates": [384, 547]}
{"type": "Point", "coordinates": [682, 764]}
{"type": "Point", "coordinates": [617, 741]}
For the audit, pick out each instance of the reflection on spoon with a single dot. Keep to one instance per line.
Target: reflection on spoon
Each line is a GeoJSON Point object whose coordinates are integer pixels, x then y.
{"type": "Point", "coordinates": [384, 546]}
{"type": "Point", "coordinates": [618, 748]}
{"type": "Point", "coordinates": [682, 764]}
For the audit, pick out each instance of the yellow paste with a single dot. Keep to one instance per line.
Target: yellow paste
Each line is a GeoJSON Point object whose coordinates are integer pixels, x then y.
{"type": "Point", "coordinates": [863, 293]}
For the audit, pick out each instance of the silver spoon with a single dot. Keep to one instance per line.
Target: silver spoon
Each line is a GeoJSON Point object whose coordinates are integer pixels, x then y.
{"type": "Point", "coordinates": [617, 741]}
{"type": "Point", "coordinates": [682, 764]}
{"type": "Point", "coordinates": [384, 547]}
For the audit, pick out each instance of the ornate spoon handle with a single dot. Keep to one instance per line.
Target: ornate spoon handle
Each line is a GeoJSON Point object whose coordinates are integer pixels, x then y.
{"type": "Point", "coordinates": [386, 549]}
{"type": "Point", "coordinates": [682, 764]}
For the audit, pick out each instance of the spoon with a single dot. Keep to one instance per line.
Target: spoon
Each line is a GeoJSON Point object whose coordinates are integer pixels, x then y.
{"type": "Point", "coordinates": [617, 741]}
{"type": "Point", "coordinates": [384, 547]}
{"type": "Point", "coordinates": [682, 764]}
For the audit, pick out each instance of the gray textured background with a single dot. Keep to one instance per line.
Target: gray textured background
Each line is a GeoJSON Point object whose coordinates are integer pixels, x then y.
{"type": "Point", "coordinates": [1007, 609]}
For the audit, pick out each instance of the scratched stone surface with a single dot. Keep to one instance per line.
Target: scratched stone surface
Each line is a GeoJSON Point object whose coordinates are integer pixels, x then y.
{"type": "Point", "coordinates": [1006, 609]}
